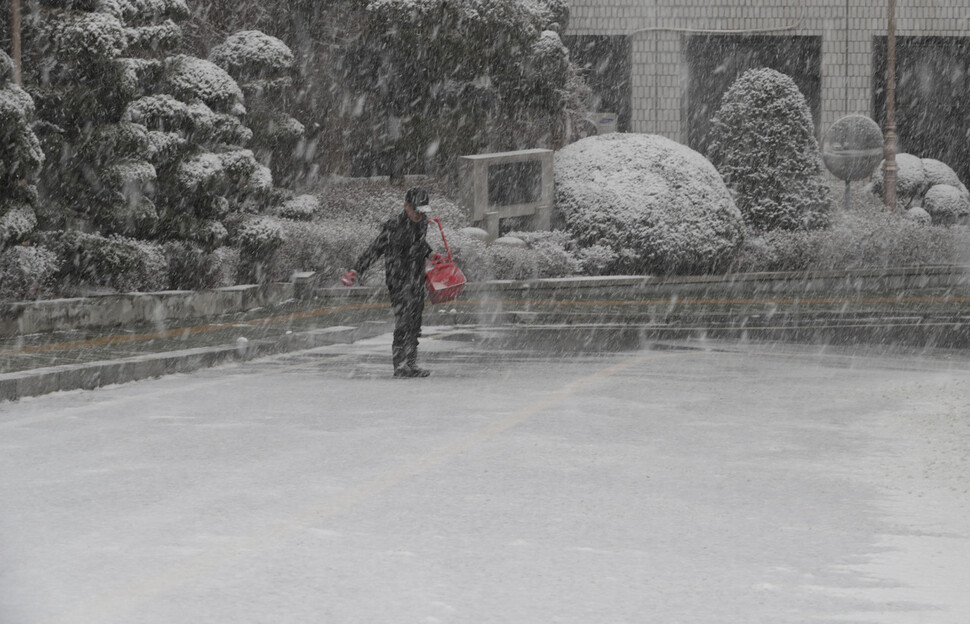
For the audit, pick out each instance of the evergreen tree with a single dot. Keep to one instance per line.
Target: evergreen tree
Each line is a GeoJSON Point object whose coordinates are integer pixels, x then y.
{"type": "Point", "coordinates": [763, 144]}
{"type": "Point", "coordinates": [21, 158]}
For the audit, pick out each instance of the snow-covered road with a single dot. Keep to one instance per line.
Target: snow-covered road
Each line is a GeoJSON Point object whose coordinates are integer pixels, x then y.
{"type": "Point", "coordinates": [742, 483]}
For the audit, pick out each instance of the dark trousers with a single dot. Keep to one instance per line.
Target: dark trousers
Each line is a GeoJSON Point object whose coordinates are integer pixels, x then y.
{"type": "Point", "coordinates": [408, 308]}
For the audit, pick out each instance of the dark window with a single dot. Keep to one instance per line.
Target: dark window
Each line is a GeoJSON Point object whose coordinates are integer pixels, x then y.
{"type": "Point", "coordinates": [715, 61]}
{"type": "Point", "coordinates": [932, 97]}
{"type": "Point", "coordinates": [605, 61]}
{"type": "Point", "coordinates": [514, 183]}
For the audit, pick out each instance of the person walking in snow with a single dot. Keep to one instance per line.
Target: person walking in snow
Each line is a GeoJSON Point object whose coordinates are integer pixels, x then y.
{"type": "Point", "coordinates": [403, 245]}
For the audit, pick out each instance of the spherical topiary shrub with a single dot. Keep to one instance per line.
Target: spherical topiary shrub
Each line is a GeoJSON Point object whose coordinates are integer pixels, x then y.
{"type": "Point", "coordinates": [946, 205]}
{"type": "Point", "coordinates": [657, 205]}
{"type": "Point", "coordinates": [763, 143]}
{"type": "Point", "coordinates": [929, 184]}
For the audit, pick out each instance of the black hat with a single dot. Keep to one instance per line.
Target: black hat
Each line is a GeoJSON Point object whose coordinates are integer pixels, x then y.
{"type": "Point", "coordinates": [416, 196]}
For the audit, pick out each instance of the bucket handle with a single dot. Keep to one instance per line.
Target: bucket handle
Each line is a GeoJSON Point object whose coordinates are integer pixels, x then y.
{"type": "Point", "coordinates": [445, 240]}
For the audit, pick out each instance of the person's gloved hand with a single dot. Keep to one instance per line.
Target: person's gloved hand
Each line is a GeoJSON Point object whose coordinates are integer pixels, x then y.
{"type": "Point", "coordinates": [349, 278]}
{"type": "Point", "coordinates": [435, 259]}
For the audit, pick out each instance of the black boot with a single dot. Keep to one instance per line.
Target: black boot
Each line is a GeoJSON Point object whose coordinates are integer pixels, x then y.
{"type": "Point", "coordinates": [410, 367]}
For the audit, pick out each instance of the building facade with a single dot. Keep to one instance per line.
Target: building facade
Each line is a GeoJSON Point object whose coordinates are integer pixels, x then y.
{"type": "Point", "coordinates": [663, 65]}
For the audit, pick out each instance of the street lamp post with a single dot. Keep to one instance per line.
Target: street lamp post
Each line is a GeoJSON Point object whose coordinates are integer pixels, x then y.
{"type": "Point", "coordinates": [15, 39]}
{"type": "Point", "coordinates": [889, 167]}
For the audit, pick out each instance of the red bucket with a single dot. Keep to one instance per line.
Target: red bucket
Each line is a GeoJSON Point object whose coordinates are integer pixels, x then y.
{"type": "Point", "coordinates": [444, 279]}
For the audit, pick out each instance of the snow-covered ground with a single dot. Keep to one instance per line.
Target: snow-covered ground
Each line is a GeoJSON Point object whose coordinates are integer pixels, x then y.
{"type": "Point", "coordinates": [741, 483]}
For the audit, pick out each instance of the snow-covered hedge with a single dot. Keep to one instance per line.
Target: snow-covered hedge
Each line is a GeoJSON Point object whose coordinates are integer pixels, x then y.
{"type": "Point", "coordinates": [191, 267]}
{"type": "Point", "coordinates": [26, 272]}
{"type": "Point", "coordinates": [17, 220]}
{"type": "Point", "coordinates": [300, 208]}
{"type": "Point", "coordinates": [259, 237]}
{"type": "Point", "coordinates": [656, 204]}
{"type": "Point", "coordinates": [115, 262]}
{"type": "Point", "coordinates": [763, 143]}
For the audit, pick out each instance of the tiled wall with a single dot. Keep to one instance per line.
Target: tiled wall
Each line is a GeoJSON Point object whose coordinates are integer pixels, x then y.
{"type": "Point", "coordinates": [658, 27]}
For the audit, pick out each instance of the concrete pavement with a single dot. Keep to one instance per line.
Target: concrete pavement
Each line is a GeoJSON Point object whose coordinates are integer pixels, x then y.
{"type": "Point", "coordinates": [693, 482]}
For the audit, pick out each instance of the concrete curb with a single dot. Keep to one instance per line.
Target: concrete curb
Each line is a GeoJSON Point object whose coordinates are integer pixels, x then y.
{"type": "Point", "coordinates": [87, 376]}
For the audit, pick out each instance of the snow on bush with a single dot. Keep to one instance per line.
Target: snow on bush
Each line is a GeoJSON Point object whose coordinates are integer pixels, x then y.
{"type": "Point", "coordinates": [910, 179]}
{"type": "Point", "coordinates": [158, 112]}
{"type": "Point", "coordinates": [555, 14]}
{"type": "Point", "coordinates": [260, 237]}
{"type": "Point", "coordinates": [192, 268]}
{"type": "Point", "coordinates": [145, 11]}
{"type": "Point", "coordinates": [938, 172]}
{"type": "Point", "coordinates": [21, 155]}
{"type": "Point", "coordinates": [918, 215]}
{"type": "Point", "coordinates": [549, 59]}
{"type": "Point", "coordinates": [868, 236]}
{"type": "Point", "coordinates": [120, 140]}
{"type": "Point", "coordinates": [763, 144]}
{"type": "Point", "coordinates": [164, 36]}
{"type": "Point", "coordinates": [164, 147]}
{"type": "Point", "coordinates": [200, 173]}
{"type": "Point", "coordinates": [300, 208]}
{"type": "Point", "coordinates": [239, 164]}
{"type": "Point", "coordinates": [17, 220]}
{"type": "Point", "coordinates": [129, 174]}
{"type": "Point", "coordinates": [946, 204]}
{"type": "Point", "coordinates": [252, 54]}
{"type": "Point", "coordinates": [193, 79]}
{"type": "Point", "coordinates": [658, 205]}
{"type": "Point", "coordinates": [88, 37]}
{"type": "Point", "coordinates": [283, 129]}
{"type": "Point", "coordinates": [116, 262]}
{"type": "Point", "coordinates": [6, 68]}
{"type": "Point", "coordinates": [917, 180]}
{"type": "Point", "coordinates": [26, 272]}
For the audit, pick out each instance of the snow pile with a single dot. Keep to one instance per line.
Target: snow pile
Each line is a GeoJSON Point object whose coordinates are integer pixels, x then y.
{"type": "Point", "coordinates": [656, 205]}
{"type": "Point", "coordinates": [763, 143]}
{"type": "Point", "coordinates": [928, 184]}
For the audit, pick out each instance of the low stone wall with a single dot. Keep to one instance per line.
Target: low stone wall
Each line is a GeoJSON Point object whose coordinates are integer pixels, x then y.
{"type": "Point", "coordinates": [34, 317]}
{"type": "Point", "coordinates": [164, 307]}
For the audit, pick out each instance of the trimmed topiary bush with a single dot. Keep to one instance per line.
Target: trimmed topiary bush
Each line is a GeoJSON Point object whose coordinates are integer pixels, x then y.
{"type": "Point", "coordinates": [928, 184]}
{"type": "Point", "coordinates": [26, 272]}
{"type": "Point", "coordinates": [657, 205]}
{"type": "Point", "coordinates": [763, 143]}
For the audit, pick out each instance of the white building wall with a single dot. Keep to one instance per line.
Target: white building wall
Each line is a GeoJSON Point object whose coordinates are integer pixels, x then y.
{"type": "Point", "coordinates": [657, 29]}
